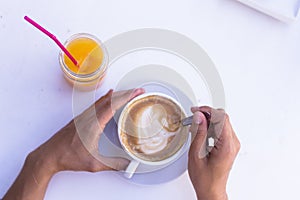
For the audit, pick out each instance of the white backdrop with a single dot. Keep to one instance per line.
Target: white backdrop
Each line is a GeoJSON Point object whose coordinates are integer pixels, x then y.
{"type": "Point", "coordinates": [257, 57]}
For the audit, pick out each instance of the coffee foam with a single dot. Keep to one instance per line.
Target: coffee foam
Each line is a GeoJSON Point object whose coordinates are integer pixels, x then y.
{"type": "Point", "coordinates": [148, 128]}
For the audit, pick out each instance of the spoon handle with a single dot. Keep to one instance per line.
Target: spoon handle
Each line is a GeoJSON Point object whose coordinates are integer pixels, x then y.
{"type": "Point", "coordinates": [189, 120]}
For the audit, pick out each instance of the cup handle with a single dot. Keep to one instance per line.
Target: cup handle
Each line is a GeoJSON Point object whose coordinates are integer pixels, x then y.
{"type": "Point", "coordinates": [131, 169]}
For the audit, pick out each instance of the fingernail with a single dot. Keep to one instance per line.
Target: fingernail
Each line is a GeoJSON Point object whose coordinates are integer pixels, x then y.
{"type": "Point", "coordinates": [110, 92]}
{"type": "Point", "coordinates": [194, 109]}
{"type": "Point", "coordinates": [139, 89]}
{"type": "Point", "coordinates": [135, 91]}
{"type": "Point", "coordinates": [197, 118]}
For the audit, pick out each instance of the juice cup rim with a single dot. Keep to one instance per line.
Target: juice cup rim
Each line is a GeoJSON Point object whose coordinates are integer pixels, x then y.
{"type": "Point", "coordinates": [102, 67]}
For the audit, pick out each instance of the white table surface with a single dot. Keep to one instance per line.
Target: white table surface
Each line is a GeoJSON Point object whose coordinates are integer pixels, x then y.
{"type": "Point", "coordinates": [258, 59]}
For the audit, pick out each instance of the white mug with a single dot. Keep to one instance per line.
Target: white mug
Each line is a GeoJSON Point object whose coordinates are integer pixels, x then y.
{"type": "Point", "coordinates": [131, 168]}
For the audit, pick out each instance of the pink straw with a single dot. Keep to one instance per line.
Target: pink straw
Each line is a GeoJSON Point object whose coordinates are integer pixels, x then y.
{"type": "Point", "coordinates": [52, 37]}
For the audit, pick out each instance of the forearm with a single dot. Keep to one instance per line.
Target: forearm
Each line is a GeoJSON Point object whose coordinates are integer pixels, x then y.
{"type": "Point", "coordinates": [32, 181]}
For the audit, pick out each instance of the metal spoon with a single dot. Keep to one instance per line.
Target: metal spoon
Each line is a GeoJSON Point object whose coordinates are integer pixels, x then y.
{"type": "Point", "coordinates": [187, 121]}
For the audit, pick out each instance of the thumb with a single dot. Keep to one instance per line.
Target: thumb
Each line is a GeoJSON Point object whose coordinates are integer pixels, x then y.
{"type": "Point", "coordinates": [199, 135]}
{"type": "Point", "coordinates": [120, 98]}
{"type": "Point", "coordinates": [107, 105]}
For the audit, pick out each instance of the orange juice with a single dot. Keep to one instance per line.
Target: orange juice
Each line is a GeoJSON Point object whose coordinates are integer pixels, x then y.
{"type": "Point", "coordinates": [87, 53]}
{"type": "Point", "coordinates": [92, 59]}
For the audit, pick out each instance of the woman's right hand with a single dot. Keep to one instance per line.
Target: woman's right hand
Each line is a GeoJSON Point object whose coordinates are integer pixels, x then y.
{"type": "Point", "coordinates": [209, 167]}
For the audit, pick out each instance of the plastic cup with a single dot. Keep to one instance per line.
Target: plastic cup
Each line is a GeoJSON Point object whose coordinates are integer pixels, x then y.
{"type": "Point", "coordinates": [92, 59]}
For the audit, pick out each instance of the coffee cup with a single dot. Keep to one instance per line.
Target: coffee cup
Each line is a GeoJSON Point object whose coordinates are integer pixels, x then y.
{"type": "Point", "coordinates": [150, 131]}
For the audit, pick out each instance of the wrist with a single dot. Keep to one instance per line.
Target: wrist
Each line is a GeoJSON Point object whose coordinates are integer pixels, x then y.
{"type": "Point", "coordinates": [212, 193]}
{"type": "Point", "coordinates": [41, 164]}
{"type": "Point", "coordinates": [33, 179]}
{"type": "Point", "coordinates": [212, 196]}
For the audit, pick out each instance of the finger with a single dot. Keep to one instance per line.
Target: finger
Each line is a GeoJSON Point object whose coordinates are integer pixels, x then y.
{"type": "Point", "coordinates": [216, 115]}
{"type": "Point", "coordinates": [107, 105]}
{"type": "Point", "coordinates": [201, 109]}
{"type": "Point", "coordinates": [103, 109]}
{"type": "Point", "coordinates": [225, 142]}
{"type": "Point", "coordinates": [207, 113]}
{"type": "Point", "coordinates": [117, 163]}
{"type": "Point", "coordinates": [236, 141]}
{"type": "Point", "coordinates": [120, 98]}
{"type": "Point", "coordinates": [199, 133]}
{"type": "Point", "coordinates": [196, 121]}
{"type": "Point", "coordinates": [100, 163]}
{"type": "Point", "coordinates": [216, 121]}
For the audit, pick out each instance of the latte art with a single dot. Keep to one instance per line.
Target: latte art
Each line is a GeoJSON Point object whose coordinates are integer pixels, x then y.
{"type": "Point", "coordinates": [149, 129]}
{"type": "Point", "coordinates": [153, 144]}
{"type": "Point", "coordinates": [154, 130]}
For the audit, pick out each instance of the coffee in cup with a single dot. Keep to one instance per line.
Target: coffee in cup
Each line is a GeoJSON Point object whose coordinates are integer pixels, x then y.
{"type": "Point", "coordinates": [150, 129]}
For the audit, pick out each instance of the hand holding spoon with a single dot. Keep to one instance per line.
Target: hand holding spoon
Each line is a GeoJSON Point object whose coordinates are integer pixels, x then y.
{"type": "Point", "coordinates": [189, 120]}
